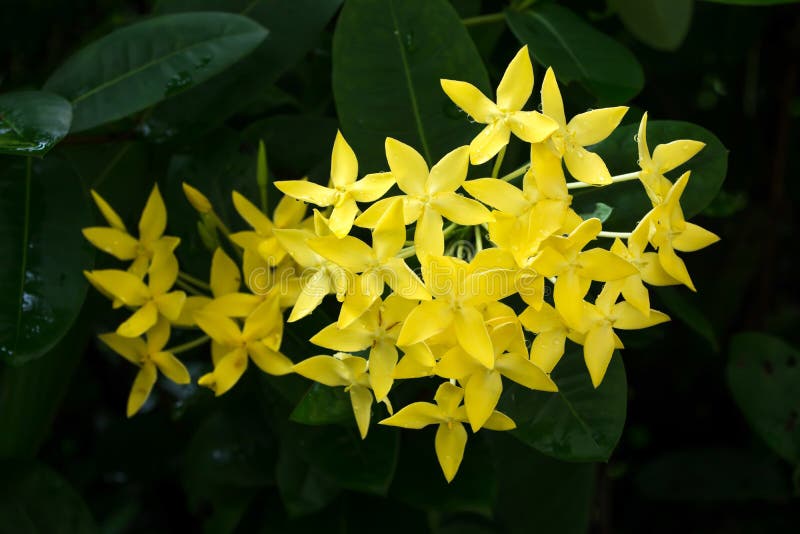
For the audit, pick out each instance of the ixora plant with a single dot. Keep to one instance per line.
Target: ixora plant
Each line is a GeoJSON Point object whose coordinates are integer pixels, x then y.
{"type": "Point", "coordinates": [541, 273]}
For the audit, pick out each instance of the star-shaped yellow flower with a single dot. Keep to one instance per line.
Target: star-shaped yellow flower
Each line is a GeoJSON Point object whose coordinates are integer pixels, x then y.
{"type": "Point", "coordinates": [505, 116]}
{"type": "Point", "coordinates": [582, 130]}
{"type": "Point", "coordinates": [449, 414]}
{"type": "Point", "coordinates": [150, 357]}
{"type": "Point", "coordinates": [345, 190]}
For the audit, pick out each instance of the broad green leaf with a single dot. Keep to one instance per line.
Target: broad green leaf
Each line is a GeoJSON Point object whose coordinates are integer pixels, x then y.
{"type": "Point", "coordinates": [42, 286]}
{"type": "Point", "coordinates": [294, 28]}
{"type": "Point", "coordinates": [388, 58]}
{"type": "Point", "coordinates": [601, 211]}
{"type": "Point", "coordinates": [764, 378]}
{"type": "Point", "coordinates": [662, 24]}
{"type": "Point", "coordinates": [577, 52]}
{"type": "Point", "coordinates": [303, 490]}
{"type": "Point", "coordinates": [32, 122]}
{"type": "Point", "coordinates": [36, 500]}
{"type": "Point", "coordinates": [753, 2]}
{"type": "Point", "coordinates": [140, 65]}
{"type": "Point", "coordinates": [628, 199]}
{"type": "Point", "coordinates": [323, 405]}
{"type": "Point", "coordinates": [681, 306]}
{"type": "Point", "coordinates": [578, 423]}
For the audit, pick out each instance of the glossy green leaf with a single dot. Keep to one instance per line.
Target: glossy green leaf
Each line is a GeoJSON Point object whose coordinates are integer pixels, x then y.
{"type": "Point", "coordinates": [577, 52]}
{"type": "Point", "coordinates": [661, 24]}
{"type": "Point", "coordinates": [294, 29]}
{"type": "Point", "coordinates": [578, 423]}
{"type": "Point", "coordinates": [628, 199]}
{"type": "Point", "coordinates": [323, 405]}
{"type": "Point", "coordinates": [42, 286]}
{"type": "Point", "coordinates": [682, 306]}
{"type": "Point", "coordinates": [753, 2]}
{"type": "Point", "coordinates": [388, 58]}
{"type": "Point", "coordinates": [36, 500]}
{"type": "Point", "coordinates": [303, 490]}
{"type": "Point", "coordinates": [764, 378]}
{"type": "Point", "coordinates": [140, 65]}
{"type": "Point", "coordinates": [32, 122]}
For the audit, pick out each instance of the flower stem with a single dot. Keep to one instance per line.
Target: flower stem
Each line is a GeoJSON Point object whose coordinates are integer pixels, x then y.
{"type": "Point", "coordinates": [188, 345]}
{"type": "Point", "coordinates": [614, 179]}
{"type": "Point", "coordinates": [483, 19]}
{"type": "Point", "coordinates": [613, 235]}
{"type": "Point", "coordinates": [478, 239]}
{"type": "Point", "coordinates": [518, 172]}
{"type": "Point", "coordinates": [498, 162]}
{"type": "Point", "coordinates": [189, 289]}
{"type": "Point", "coordinates": [194, 281]}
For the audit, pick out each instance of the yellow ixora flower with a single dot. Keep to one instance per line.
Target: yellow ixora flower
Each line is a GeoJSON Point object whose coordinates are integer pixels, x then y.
{"type": "Point", "coordinates": [231, 347]}
{"type": "Point", "coordinates": [348, 371]}
{"type": "Point", "coordinates": [449, 414]}
{"type": "Point", "coordinates": [115, 239]}
{"type": "Point", "coordinates": [506, 115]}
{"type": "Point", "coordinates": [345, 190]}
{"type": "Point", "coordinates": [151, 357]}
{"type": "Point", "coordinates": [153, 299]}
{"type": "Point", "coordinates": [582, 130]}
{"type": "Point", "coordinates": [429, 195]}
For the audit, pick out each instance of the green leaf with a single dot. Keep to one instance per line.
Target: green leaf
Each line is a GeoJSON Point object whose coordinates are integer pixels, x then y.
{"type": "Point", "coordinates": [661, 24]}
{"type": "Point", "coordinates": [388, 58]}
{"type": "Point", "coordinates": [764, 378]}
{"type": "Point", "coordinates": [294, 29]}
{"type": "Point", "coordinates": [323, 405]}
{"type": "Point", "coordinates": [34, 499]}
{"type": "Point", "coordinates": [628, 199]}
{"type": "Point", "coordinates": [137, 66]}
{"type": "Point", "coordinates": [303, 490]}
{"type": "Point", "coordinates": [601, 211]}
{"type": "Point", "coordinates": [753, 2]}
{"type": "Point", "coordinates": [32, 122]}
{"type": "Point", "coordinates": [577, 52]}
{"type": "Point", "coordinates": [42, 287]}
{"type": "Point", "coordinates": [578, 423]}
{"type": "Point", "coordinates": [681, 305]}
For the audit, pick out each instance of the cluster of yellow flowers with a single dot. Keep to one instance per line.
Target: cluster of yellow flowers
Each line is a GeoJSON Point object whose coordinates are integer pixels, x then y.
{"type": "Point", "coordinates": [451, 322]}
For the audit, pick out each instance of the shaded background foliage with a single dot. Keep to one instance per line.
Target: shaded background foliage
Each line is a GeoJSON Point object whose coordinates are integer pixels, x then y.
{"type": "Point", "coordinates": [712, 437]}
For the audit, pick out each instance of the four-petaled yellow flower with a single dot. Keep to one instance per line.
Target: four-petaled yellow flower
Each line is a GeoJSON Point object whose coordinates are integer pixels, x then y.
{"type": "Point", "coordinates": [505, 116]}
{"type": "Point", "coordinates": [151, 357]}
{"type": "Point", "coordinates": [449, 414]}
{"type": "Point", "coordinates": [345, 190]}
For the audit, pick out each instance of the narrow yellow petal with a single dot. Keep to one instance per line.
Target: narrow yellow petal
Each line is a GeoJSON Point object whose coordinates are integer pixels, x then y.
{"type": "Point", "coordinates": [382, 361]}
{"type": "Point", "coordinates": [225, 275]}
{"type": "Point", "coordinates": [231, 305]}
{"type": "Point", "coordinates": [674, 266]}
{"type": "Point", "coordinates": [348, 252]}
{"type": "Point", "coordinates": [389, 235]}
{"type": "Point", "coordinates": [312, 292]}
{"type": "Point", "coordinates": [424, 321]}
{"type": "Point", "coordinates": [111, 216]}
{"type": "Point", "coordinates": [516, 85]}
{"type": "Point", "coordinates": [471, 100]}
{"type": "Point", "coordinates": [602, 265]}
{"type": "Point", "coordinates": [568, 296]}
{"type": "Point", "coordinates": [404, 282]}
{"type": "Point", "coordinates": [456, 364]}
{"type": "Point", "coordinates": [645, 162]}
{"type": "Point", "coordinates": [154, 217]}
{"type": "Point", "coordinates": [408, 167]}
{"type": "Point", "coordinates": [351, 339]}
{"type": "Point", "coordinates": [344, 165]}
{"type": "Point", "coordinates": [693, 237]}
{"type": "Point", "coordinates": [132, 349]}
{"type": "Point", "coordinates": [294, 242]}
{"type": "Point", "coordinates": [140, 322]}
{"type": "Point", "coordinates": [250, 213]}
{"type": "Point", "coordinates": [481, 395]}
{"type": "Point", "coordinates": [112, 241]}
{"type": "Point", "coordinates": [451, 440]}
{"type": "Point", "coordinates": [372, 186]}
{"type": "Point", "coordinates": [552, 104]}
{"type": "Point", "coordinates": [353, 307]}
{"type": "Point", "coordinates": [326, 370]}
{"type": "Point", "coordinates": [636, 294]}
{"type": "Point", "coordinates": [626, 317]}
{"type": "Point", "coordinates": [489, 142]}
{"type": "Point", "coordinates": [307, 192]}
{"type": "Point", "coordinates": [142, 386]}
{"type": "Point", "coordinates": [228, 371]}
{"type": "Point", "coordinates": [158, 335]}
{"type": "Point", "coordinates": [268, 360]}
{"type": "Point", "coordinates": [593, 126]}
{"type": "Point", "coordinates": [597, 351]}
{"type": "Point", "coordinates": [497, 194]}
{"type": "Point", "coordinates": [190, 305]}
{"type": "Point", "coordinates": [171, 367]}
{"type": "Point", "coordinates": [266, 320]}
{"type": "Point", "coordinates": [586, 166]}
{"type": "Point", "coordinates": [342, 217]}
{"type": "Point", "coordinates": [170, 304]}
{"type": "Point", "coordinates": [499, 421]}
{"type": "Point", "coordinates": [221, 329]}
{"type": "Point", "coordinates": [121, 285]}
{"type": "Point", "coordinates": [671, 155]}
{"type": "Point", "coordinates": [548, 348]}
{"type": "Point", "coordinates": [163, 272]}
{"type": "Point", "coordinates": [361, 400]}
{"type": "Point", "coordinates": [523, 371]}
{"type": "Point", "coordinates": [532, 126]}
{"type": "Point", "coordinates": [448, 397]}
{"type": "Point", "coordinates": [428, 235]}
{"type": "Point", "coordinates": [473, 337]}
{"type": "Point", "coordinates": [415, 416]}
{"type": "Point", "coordinates": [653, 273]}
{"type": "Point", "coordinates": [449, 173]}
{"type": "Point", "coordinates": [289, 212]}
{"type": "Point", "coordinates": [460, 209]}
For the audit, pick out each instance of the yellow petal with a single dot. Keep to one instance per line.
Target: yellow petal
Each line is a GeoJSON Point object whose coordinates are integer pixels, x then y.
{"type": "Point", "coordinates": [481, 394]}
{"type": "Point", "coordinates": [415, 416]}
{"type": "Point", "coordinates": [370, 217]}
{"type": "Point", "coordinates": [460, 210]}
{"type": "Point", "coordinates": [451, 440]}
{"type": "Point", "coordinates": [221, 329]}
{"type": "Point", "coordinates": [428, 235]}
{"type": "Point", "coordinates": [289, 212]}
{"type": "Point", "coordinates": [473, 337]}
{"type": "Point", "coordinates": [471, 100]}
{"type": "Point", "coordinates": [449, 173]}
{"type": "Point", "coordinates": [636, 294]}
{"type": "Point", "coordinates": [190, 305]}
{"type": "Point", "coordinates": [641, 144]}
{"type": "Point", "coordinates": [171, 367]}
{"type": "Point", "coordinates": [225, 275]}
{"type": "Point", "coordinates": [568, 296]}
{"type": "Point", "coordinates": [593, 126]}
{"type": "Point", "coordinates": [112, 241]}
{"type": "Point", "coordinates": [342, 217]}
{"type": "Point", "coordinates": [671, 155]}
{"type": "Point", "coordinates": [197, 199]}
{"type": "Point", "coordinates": [170, 304]}
{"type": "Point", "coordinates": [548, 348]}
{"type": "Point", "coordinates": [307, 192]}
{"type": "Point", "coordinates": [586, 166]}
{"type": "Point", "coordinates": [371, 187]}
{"type": "Point", "coordinates": [294, 242]}
{"type": "Point", "coordinates": [121, 285]}
{"type": "Point", "coordinates": [266, 320]}
{"type": "Point", "coordinates": [158, 335]}
{"type": "Point", "coordinates": [523, 371]}
{"type": "Point", "coordinates": [516, 85]}
{"type": "Point", "coordinates": [348, 252]}
{"type": "Point", "coordinates": [489, 142]}
{"type": "Point", "coordinates": [542, 320]}
{"type": "Point", "coordinates": [268, 360]}
{"type": "Point", "coordinates": [626, 317]}
{"type": "Point", "coordinates": [163, 272]}
{"type": "Point", "coordinates": [382, 361]}
{"type": "Point", "coordinates": [227, 372]}
{"type": "Point", "coordinates": [326, 370]}
{"type": "Point", "coordinates": [154, 217]}
{"type": "Point", "coordinates": [250, 213]}
{"type": "Point", "coordinates": [132, 349]}
{"type": "Point", "coordinates": [653, 273]}
{"type": "Point", "coordinates": [456, 364]}
{"type": "Point", "coordinates": [232, 304]}
{"type": "Point", "coordinates": [549, 262]}
{"type": "Point", "coordinates": [417, 362]}
{"type": "Point", "coordinates": [552, 104]}
{"type": "Point", "coordinates": [532, 126]}
{"type": "Point", "coordinates": [602, 265]}
{"type": "Point", "coordinates": [311, 294]}
{"type": "Point", "coordinates": [693, 238]}
{"type": "Point", "coordinates": [597, 351]}
{"type": "Point", "coordinates": [499, 421]}
{"type": "Point", "coordinates": [424, 321]}
{"type": "Point", "coordinates": [408, 167]}
{"type": "Point", "coordinates": [389, 235]}
{"type": "Point", "coordinates": [114, 220]}
{"type": "Point", "coordinates": [142, 386]}
{"type": "Point", "coordinates": [344, 166]}
{"type": "Point", "coordinates": [674, 266]}
{"type": "Point", "coordinates": [353, 307]}
{"type": "Point", "coordinates": [448, 397]}
{"type": "Point", "coordinates": [547, 172]}
{"type": "Point", "coordinates": [361, 400]}
{"type": "Point", "coordinates": [140, 322]}
{"type": "Point", "coordinates": [404, 282]}
{"type": "Point", "coordinates": [351, 339]}
{"type": "Point", "coordinates": [497, 194]}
